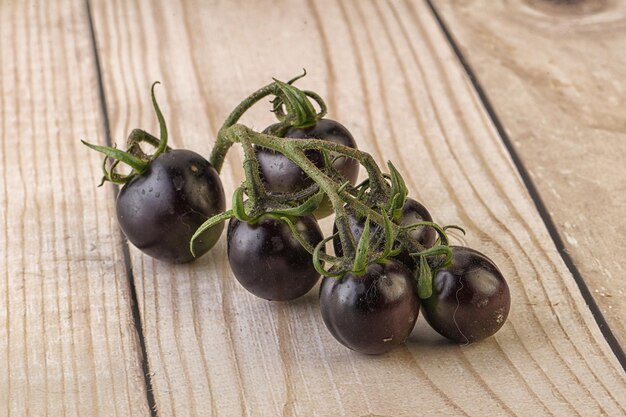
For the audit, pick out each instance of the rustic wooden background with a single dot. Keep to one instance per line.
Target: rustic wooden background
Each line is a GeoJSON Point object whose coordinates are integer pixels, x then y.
{"type": "Point", "coordinates": [505, 116]}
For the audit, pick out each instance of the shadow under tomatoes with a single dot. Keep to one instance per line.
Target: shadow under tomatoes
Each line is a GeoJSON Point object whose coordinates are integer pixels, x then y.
{"type": "Point", "coordinates": [160, 210]}
{"type": "Point", "coordinates": [371, 313]}
{"type": "Point", "coordinates": [470, 300]}
{"type": "Point", "coordinates": [267, 259]}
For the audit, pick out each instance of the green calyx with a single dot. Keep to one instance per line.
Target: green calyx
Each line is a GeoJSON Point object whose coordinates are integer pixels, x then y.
{"type": "Point", "coordinates": [134, 157]}
{"type": "Point", "coordinates": [292, 106]}
{"type": "Point", "coordinates": [398, 193]}
{"type": "Point", "coordinates": [360, 259]}
{"type": "Point", "coordinates": [299, 112]}
{"type": "Point", "coordinates": [227, 215]}
{"type": "Point", "coordinates": [441, 256]}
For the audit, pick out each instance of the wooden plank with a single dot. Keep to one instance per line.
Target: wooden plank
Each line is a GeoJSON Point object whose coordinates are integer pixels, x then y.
{"type": "Point", "coordinates": [68, 345]}
{"type": "Point", "coordinates": [388, 73]}
{"type": "Point", "coordinates": [554, 72]}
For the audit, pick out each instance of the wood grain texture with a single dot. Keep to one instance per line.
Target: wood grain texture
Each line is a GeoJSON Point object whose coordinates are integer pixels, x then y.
{"type": "Point", "coordinates": [67, 341]}
{"type": "Point", "coordinates": [388, 74]}
{"type": "Point", "coordinates": [554, 72]}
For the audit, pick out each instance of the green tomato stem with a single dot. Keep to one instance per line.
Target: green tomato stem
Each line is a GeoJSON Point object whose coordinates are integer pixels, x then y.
{"type": "Point", "coordinates": [380, 199]}
{"type": "Point", "coordinates": [162, 125]}
{"type": "Point", "coordinates": [293, 149]}
{"type": "Point", "coordinates": [223, 142]}
{"type": "Point", "coordinates": [134, 156]}
{"type": "Point", "coordinates": [254, 186]}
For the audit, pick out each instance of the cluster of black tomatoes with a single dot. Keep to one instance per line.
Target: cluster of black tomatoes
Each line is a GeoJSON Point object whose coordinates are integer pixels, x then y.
{"type": "Point", "coordinates": [390, 260]}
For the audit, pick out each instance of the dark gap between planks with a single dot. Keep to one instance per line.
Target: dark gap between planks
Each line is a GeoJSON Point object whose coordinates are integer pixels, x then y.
{"type": "Point", "coordinates": [534, 194]}
{"type": "Point", "coordinates": [126, 252]}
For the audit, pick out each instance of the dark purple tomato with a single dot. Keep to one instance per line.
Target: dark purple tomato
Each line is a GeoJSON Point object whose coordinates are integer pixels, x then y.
{"type": "Point", "coordinates": [280, 175]}
{"type": "Point", "coordinates": [268, 260]}
{"type": "Point", "coordinates": [161, 209]}
{"type": "Point", "coordinates": [332, 131]}
{"type": "Point", "coordinates": [470, 299]}
{"type": "Point", "coordinates": [412, 212]}
{"type": "Point", "coordinates": [371, 313]}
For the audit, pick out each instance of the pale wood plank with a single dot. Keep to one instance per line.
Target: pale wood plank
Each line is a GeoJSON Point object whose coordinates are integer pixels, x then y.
{"type": "Point", "coordinates": [213, 349]}
{"type": "Point", "coordinates": [67, 341]}
{"type": "Point", "coordinates": [554, 72]}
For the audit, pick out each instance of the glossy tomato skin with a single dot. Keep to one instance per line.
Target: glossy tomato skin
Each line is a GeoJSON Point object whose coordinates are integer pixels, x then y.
{"type": "Point", "coordinates": [268, 260]}
{"type": "Point", "coordinates": [161, 209]}
{"type": "Point", "coordinates": [280, 175]}
{"type": "Point", "coordinates": [332, 131]}
{"type": "Point", "coordinates": [371, 313]}
{"type": "Point", "coordinates": [412, 212]}
{"type": "Point", "coordinates": [470, 300]}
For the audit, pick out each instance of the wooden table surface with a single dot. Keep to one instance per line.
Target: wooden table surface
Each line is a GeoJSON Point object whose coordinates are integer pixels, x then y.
{"type": "Point", "coordinates": [505, 116]}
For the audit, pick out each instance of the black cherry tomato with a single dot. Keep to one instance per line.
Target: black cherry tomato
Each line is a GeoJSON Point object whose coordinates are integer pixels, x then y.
{"type": "Point", "coordinates": [470, 299]}
{"type": "Point", "coordinates": [371, 313]}
{"type": "Point", "coordinates": [267, 259]}
{"type": "Point", "coordinates": [161, 209]}
{"type": "Point", "coordinates": [280, 175]}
